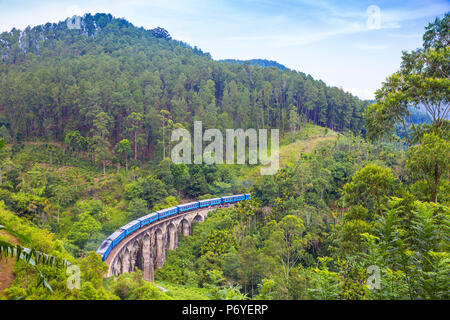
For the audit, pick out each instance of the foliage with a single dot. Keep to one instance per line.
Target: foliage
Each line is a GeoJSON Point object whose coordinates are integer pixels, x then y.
{"type": "Point", "coordinates": [421, 81]}
{"type": "Point", "coordinates": [338, 207]}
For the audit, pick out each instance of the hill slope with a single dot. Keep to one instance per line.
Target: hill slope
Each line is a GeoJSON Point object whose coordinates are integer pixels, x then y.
{"type": "Point", "coordinates": [110, 80]}
{"type": "Point", "coordinates": [257, 62]}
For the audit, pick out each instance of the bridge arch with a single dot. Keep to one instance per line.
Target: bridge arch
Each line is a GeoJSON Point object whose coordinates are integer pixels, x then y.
{"type": "Point", "coordinates": [185, 227]}
{"type": "Point", "coordinates": [197, 218]}
{"type": "Point", "coordinates": [136, 256]}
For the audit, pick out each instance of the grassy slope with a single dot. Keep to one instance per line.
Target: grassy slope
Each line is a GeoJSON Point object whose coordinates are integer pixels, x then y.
{"type": "Point", "coordinates": [306, 139]}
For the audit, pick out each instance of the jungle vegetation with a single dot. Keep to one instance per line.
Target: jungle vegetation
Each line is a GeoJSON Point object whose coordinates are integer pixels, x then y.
{"type": "Point", "coordinates": [85, 122]}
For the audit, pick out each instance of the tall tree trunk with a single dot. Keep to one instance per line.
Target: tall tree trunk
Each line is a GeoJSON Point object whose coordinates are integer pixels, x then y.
{"type": "Point", "coordinates": [135, 145]}
{"type": "Point", "coordinates": [436, 183]}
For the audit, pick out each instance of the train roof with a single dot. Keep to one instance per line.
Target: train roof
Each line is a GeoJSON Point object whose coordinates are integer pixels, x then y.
{"type": "Point", "coordinates": [167, 209]}
{"type": "Point", "coordinates": [130, 224]}
{"type": "Point", "coordinates": [187, 204]}
{"type": "Point", "coordinates": [233, 196]}
{"type": "Point", "coordinates": [212, 199]}
{"type": "Point", "coordinates": [148, 216]}
{"type": "Point", "coordinates": [115, 235]}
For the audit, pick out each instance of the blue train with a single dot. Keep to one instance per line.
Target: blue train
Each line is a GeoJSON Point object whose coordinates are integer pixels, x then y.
{"type": "Point", "coordinates": [112, 241]}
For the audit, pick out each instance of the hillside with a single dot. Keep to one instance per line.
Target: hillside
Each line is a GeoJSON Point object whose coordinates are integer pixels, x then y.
{"type": "Point", "coordinates": [72, 198]}
{"type": "Point", "coordinates": [257, 62]}
{"type": "Point", "coordinates": [291, 150]}
{"type": "Point", "coordinates": [114, 81]}
{"type": "Point", "coordinates": [355, 211]}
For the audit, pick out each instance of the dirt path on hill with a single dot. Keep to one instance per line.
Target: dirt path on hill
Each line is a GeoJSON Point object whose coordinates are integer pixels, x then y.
{"type": "Point", "coordinates": [290, 153]}
{"type": "Point", "coordinates": [313, 142]}
{"type": "Point", "coordinates": [6, 265]}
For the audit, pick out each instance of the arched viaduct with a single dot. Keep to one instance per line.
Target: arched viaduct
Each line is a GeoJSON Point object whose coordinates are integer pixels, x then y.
{"type": "Point", "coordinates": [146, 248]}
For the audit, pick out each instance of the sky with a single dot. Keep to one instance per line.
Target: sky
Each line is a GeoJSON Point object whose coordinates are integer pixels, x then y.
{"type": "Point", "coordinates": [353, 45]}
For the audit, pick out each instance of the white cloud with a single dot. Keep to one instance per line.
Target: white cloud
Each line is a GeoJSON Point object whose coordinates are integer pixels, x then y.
{"type": "Point", "coordinates": [366, 46]}
{"type": "Point", "coordinates": [405, 35]}
{"type": "Point", "coordinates": [395, 16]}
{"type": "Point", "coordinates": [279, 41]}
{"type": "Point", "coordinates": [365, 94]}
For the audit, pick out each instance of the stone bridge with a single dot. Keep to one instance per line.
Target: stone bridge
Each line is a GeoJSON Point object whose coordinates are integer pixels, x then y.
{"type": "Point", "coordinates": [146, 248]}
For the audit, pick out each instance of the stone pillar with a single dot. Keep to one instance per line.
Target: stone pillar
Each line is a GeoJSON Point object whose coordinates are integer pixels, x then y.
{"type": "Point", "coordinates": [160, 249]}
{"type": "Point", "coordinates": [132, 261]}
{"type": "Point", "coordinates": [147, 256]}
{"type": "Point", "coordinates": [149, 269]}
{"type": "Point", "coordinates": [172, 232]}
{"type": "Point", "coordinates": [186, 228]}
{"type": "Point", "coordinates": [116, 267]}
{"type": "Point", "coordinates": [126, 261]}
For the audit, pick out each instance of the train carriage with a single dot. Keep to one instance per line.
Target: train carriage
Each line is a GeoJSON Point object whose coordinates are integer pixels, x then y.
{"type": "Point", "coordinates": [167, 212]}
{"type": "Point", "coordinates": [216, 201]}
{"type": "Point", "coordinates": [188, 206]}
{"type": "Point", "coordinates": [232, 199]}
{"type": "Point", "coordinates": [148, 218]}
{"type": "Point", "coordinates": [104, 249]}
{"type": "Point", "coordinates": [131, 227]}
{"type": "Point", "coordinates": [204, 203]}
{"type": "Point", "coordinates": [227, 199]}
{"type": "Point", "coordinates": [116, 237]}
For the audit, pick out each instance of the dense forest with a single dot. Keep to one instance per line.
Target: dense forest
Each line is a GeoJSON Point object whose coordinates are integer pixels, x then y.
{"type": "Point", "coordinates": [85, 121]}
{"type": "Point", "coordinates": [114, 80]}
{"type": "Point", "coordinates": [257, 62]}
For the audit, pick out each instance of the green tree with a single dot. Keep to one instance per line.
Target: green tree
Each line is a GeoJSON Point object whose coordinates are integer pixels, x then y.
{"type": "Point", "coordinates": [84, 229]}
{"type": "Point", "coordinates": [2, 145]}
{"type": "Point", "coordinates": [429, 161]}
{"type": "Point", "coordinates": [101, 145]}
{"type": "Point", "coordinates": [369, 187]}
{"type": "Point", "coordinates": [423, 80]}
{"type": "Point", "coordinates": [134, 125]}
{"type": "Point", "coordinates": [286, 244]}
{"type": "Point", "coordinates": [75, 141]}
{"type": "Point", "coordinates": [249, 264]}
{"type": "Point", "coordinates": [166, 124]}
{"type": "Point", "coordinates": [124, 149]}
{"type": "Point", "coordinates": [137, 208]}
{"type": "Point", "coordinates": [4, 134]}
{"type": "Point", "coordinates": [181, 176]}
{"type": "Point", "coordinates": [293, 121]}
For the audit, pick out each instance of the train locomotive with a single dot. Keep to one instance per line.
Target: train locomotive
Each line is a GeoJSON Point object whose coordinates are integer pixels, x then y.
{"type": "Point", "coordinates": [114, 239]}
